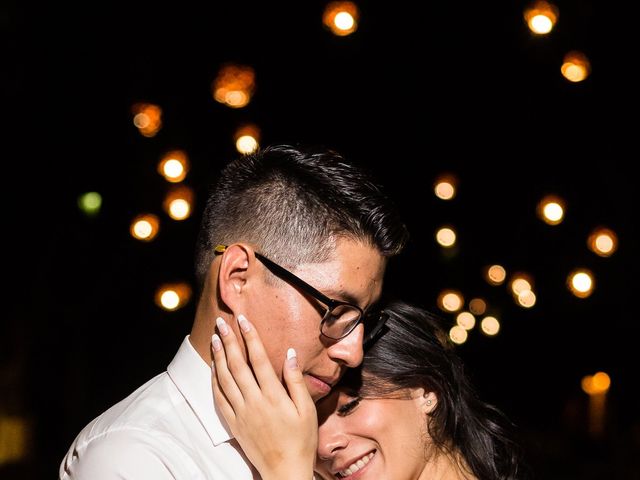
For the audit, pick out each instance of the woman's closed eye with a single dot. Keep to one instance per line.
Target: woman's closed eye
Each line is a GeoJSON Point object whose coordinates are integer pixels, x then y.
{"type": "Point", "coordinates": [348, 407]}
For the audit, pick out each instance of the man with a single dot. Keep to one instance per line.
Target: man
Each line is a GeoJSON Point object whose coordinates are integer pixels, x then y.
{"type": "Point", "coordinates": [298, 242]}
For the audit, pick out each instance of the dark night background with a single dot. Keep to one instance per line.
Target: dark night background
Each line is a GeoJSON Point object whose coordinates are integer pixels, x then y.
{"type": "Point", "coordinates": [462, 88]}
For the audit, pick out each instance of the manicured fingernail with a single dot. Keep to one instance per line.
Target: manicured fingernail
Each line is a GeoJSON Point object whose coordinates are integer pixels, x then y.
{"type": "Point", "coordinates": [292, 359]}
{"type": "Point", "coordinates": [213, 366]}
{"type": "Point", "coordinates": [216, 343]}
{"type": "Point", "coordinates": [222, 326]}
{"type": "Point", "coordinates": [244, 323]}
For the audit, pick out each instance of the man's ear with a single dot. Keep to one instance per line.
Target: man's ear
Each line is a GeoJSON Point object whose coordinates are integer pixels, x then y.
{"type": "Point", "coordinates": [234, 275]}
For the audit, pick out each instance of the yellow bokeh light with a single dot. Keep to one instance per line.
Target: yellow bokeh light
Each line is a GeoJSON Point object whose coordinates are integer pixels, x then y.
{"type": "Point", "coordinates": [603, 242]}
{"type": "Point", "coordinates": [520, 282]}
{"type": "Point", "coordinates": [172, 296]}
{"type": "Point", "coordinates": [446, 236]}
{"type": "Point", "coordinates": [466, 320]}
{"type": "Point", "coordinates": [15, 438]}
{"type": "Point", "coordinates": [178, 203]}
{"type": "Point", "coordinates": [490, 326]}
{"type": "Point", "coordinates": [541, 17]}
{"type": "Point", "coordinates": [458, 335]}
{"type": "Point", "coordinates": [445, 186]}
{"type": "Point", "coordinates": [581, 282]}
{"type": "Point", "coordinates": [575, 66]}
{"type": "Point", "coordinates": [450, 300]}
{"type": "Point", "coordinates": [526, 298]}
{"type": "Point", "coordinates": [145, 227]}
{"type": "Point", "coordinates": [174, 166]}
{"type": "Point", "coordinates": [247, 138]}
{"type": "Point", "coordinates": [495, 274]}
{"type": "Point", "coordinates": [551, 209]}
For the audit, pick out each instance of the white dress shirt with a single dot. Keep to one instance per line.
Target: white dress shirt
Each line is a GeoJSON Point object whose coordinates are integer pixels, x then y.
{"type": "Point", "coordinates": [167, 429]}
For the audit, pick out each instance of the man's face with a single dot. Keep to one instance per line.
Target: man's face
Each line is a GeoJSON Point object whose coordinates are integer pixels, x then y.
{"type": "Point", "coordinates": [286, 318]}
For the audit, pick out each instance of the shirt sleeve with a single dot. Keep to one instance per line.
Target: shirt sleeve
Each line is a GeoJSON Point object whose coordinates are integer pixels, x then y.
{"type": "Point", "coordinates": [128, 455]}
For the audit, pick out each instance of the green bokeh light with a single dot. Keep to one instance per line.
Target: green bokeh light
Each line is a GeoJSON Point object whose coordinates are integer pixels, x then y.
{"type": "Point", "coordinates": [90, 203]}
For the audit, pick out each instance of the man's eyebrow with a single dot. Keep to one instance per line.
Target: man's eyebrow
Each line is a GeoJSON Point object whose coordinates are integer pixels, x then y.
{"type": "Point", "coordinates": [342, 295]}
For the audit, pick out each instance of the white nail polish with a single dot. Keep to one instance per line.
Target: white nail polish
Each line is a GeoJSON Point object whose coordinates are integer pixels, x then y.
{"type": "Point", "coordinates": [244, 323]}
{"type": "Point", "coordinates": [291, 353]}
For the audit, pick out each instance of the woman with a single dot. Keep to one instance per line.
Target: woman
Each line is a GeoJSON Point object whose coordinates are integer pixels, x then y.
{"type": "Point", "coordinates": [408, 413]}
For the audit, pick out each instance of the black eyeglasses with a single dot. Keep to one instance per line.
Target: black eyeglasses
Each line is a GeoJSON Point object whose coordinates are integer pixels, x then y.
{"type": "Point", "coordinates": [339, 319]}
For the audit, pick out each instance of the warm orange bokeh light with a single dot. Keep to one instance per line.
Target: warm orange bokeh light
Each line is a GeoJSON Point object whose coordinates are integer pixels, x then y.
{"type": "Point", "coordinates": [495, 274]}
{"type": "Point", "coordinates": [541, 17]}
{"type": "Point", "coordinates": [174, 166]}
{"type": "Point", "coordinates": [341, 18]}
{"type": "Point", "coordinates": [178, 203]}
{"type": "Point", "coordinates": [450, 300]}
{"type": "Point", "coordinates": [234, 85]}
{"type": "Point", "coordinates": [145, 227]}
{"type": "Point", "coordinates": [445, 186]}
{"type": "Point", "coordinates": [147, 118]}
{"type": "Point", "coordinates": [551, 209]}
{"type": "Point", "coordinates": [247, 138]}
{"type": "Point", "coordinates": [603, 242]}
{"type": "Point", "coordinates": [172, 296]}
{"type": "Point", "coordinates": [576, 67]}
{"type": "Point", "coordinates": [581, 282]}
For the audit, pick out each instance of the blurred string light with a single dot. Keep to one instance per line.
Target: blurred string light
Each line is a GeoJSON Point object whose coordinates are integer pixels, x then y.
{"type": "Point", "coordinates": [172, 296]}
{"type": "Point", "coordinates": [178, 202]}
{"type": "Point", "coordinates": [490, 326]}
{"type": "Point", "coordinates": [541, 17]}
{"type": "Point", "coordinates": [458, 334]}
{"type": "Point", "coordinates": [341, 18]}
{"type": "Point", "coordinates": [603, 241]}
{"type": "Point", "coordinates": [173, 166]}
{"type": "Point", "coordinates": [90, 203]}
{"type": "Point", "coordinates": [581, 282]}
{"type": "Point", "coordinates": [445, 186]}
{"type": "Point", "coordinates": [520, 282]}
{"type": "Point", "coordinates": [446, 236]}
{"type": "Point", "coordinates": [495, 274]}
{"type": "Point", "coordinates": [466, 320]}
{"type": "Point", "coordinates": [15, 433]}
{"type": "Point", "coordinates": [145, 227]}
{"type": "Point", "coordinates": [247, 138]}
{"type": "Point", "coordinates": [450, 300]}
{"type": "Point", "coordinates": [234, 85]}
{"type": "Point", "coordinates": [576, 67]}
{"type": "Point", "coordinates": [521, 287]}
{"type": "Point", "coordinates": [551, 209]}
{"type": "Point", "coordinates": [596, 383]}
{"type": "Point", "coordinates": [477, 306]}
{"type": "Point", "coordinates": [596, 386]}
{"type": "Point", "coordinates": [147, 118]}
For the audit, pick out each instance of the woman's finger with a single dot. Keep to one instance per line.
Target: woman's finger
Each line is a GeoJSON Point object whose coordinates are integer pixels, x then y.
{"type": "Point", "coordinates": [297, 387]}
{"type": "Point", "coordinates": [224, 382]}
{"type": "Point", "coordinates": [221, 401]}
{"type": "Point", "coordinates": [263, 370]}
{"type": "Point", "coordinates": [237, 371]}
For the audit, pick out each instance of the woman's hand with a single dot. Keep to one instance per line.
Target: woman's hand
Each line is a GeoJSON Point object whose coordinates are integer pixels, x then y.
{"type": "Point", "coordinates": [278, 431]}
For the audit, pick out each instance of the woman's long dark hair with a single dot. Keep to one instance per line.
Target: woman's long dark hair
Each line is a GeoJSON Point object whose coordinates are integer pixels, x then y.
{"type": "Point", "coordinates": [412, 351]}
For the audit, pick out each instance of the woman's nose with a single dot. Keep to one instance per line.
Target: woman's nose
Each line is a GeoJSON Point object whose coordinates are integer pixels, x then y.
{"type": "Point", "coordinates": [330, 441]}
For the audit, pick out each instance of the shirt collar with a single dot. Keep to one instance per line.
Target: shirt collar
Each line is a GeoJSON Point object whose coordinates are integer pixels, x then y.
{"type": "Point", "coordinates": [192, 376]}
